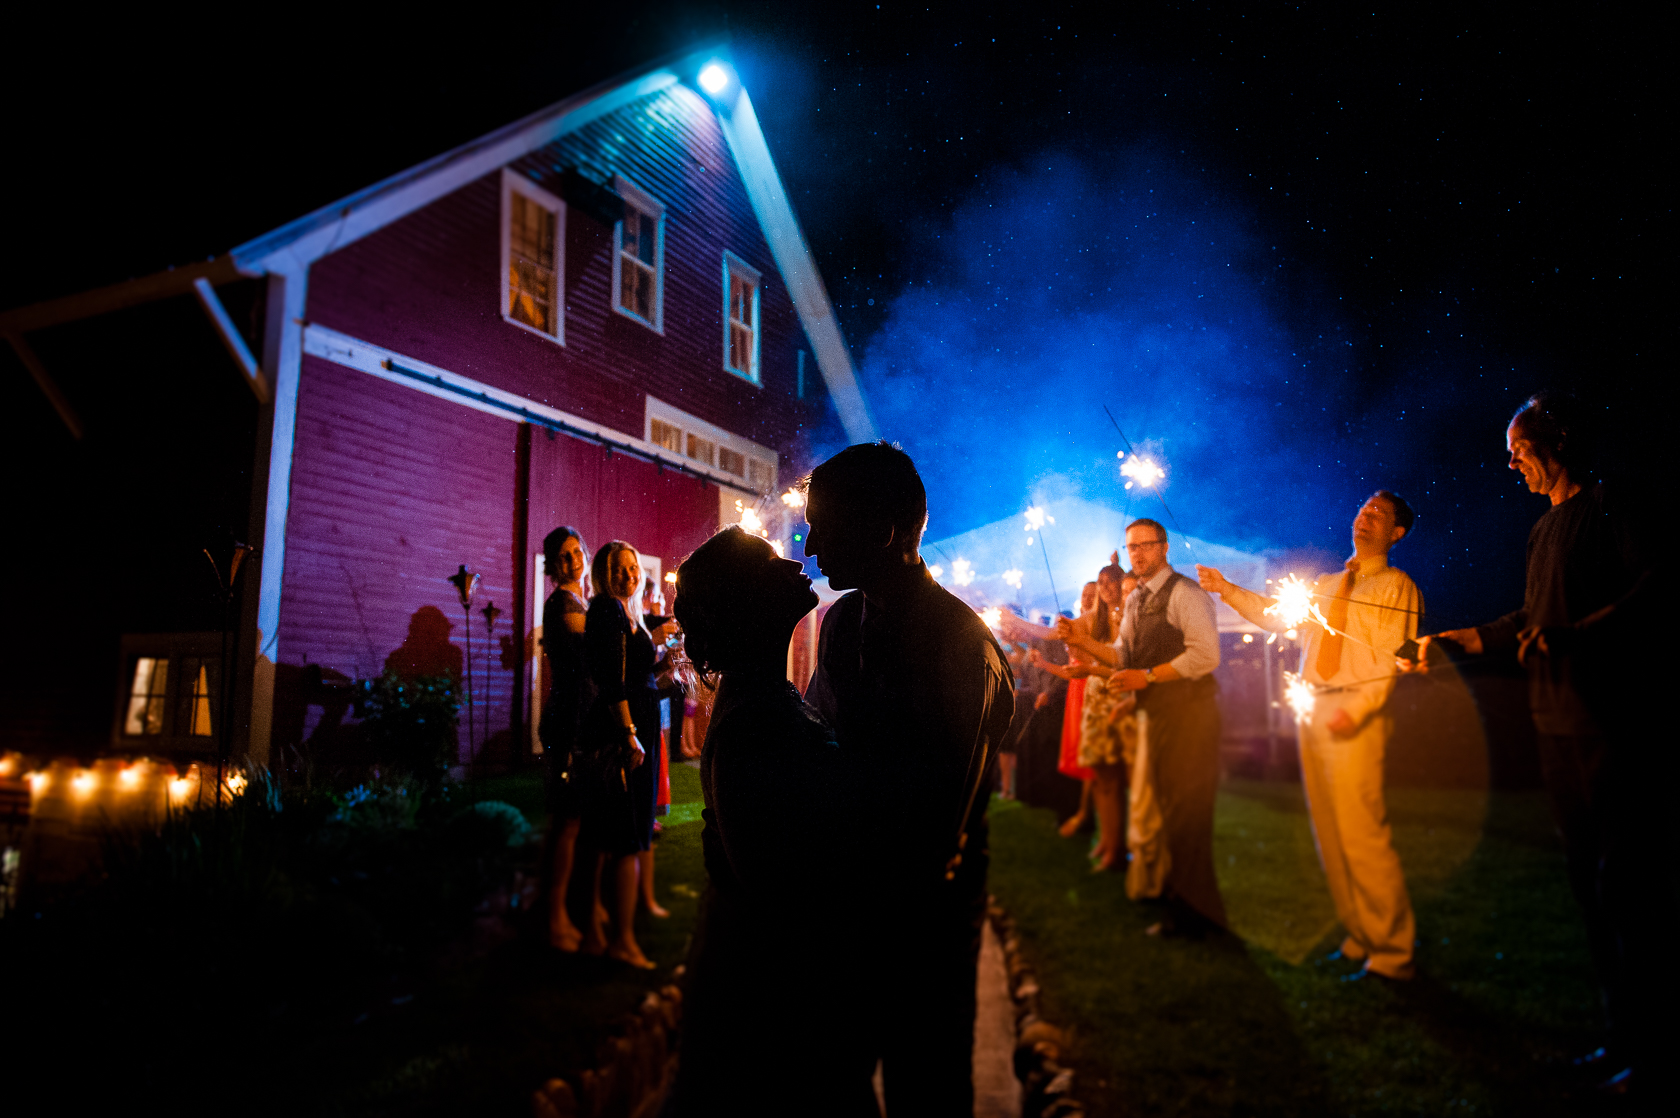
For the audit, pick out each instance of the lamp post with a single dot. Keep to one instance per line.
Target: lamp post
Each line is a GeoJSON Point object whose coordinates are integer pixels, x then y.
{"type": "Point", "coordinates": [224, 598]}
{"type": "Point", "coordinates": [466, 583]}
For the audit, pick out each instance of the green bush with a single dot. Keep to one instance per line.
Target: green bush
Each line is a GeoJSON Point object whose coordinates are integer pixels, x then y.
{"type": "Point", "coordinates": [410, 724]}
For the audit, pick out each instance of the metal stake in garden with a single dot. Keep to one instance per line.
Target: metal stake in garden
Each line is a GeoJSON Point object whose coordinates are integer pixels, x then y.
{"type": "Point", "coordinates": [466, 583]}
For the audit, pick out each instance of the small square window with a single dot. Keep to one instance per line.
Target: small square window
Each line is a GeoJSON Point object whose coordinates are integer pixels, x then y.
{"type": "Point", "coordinates": [702, 450]}
{"type": "Point", "coordinates": [639, 257]}
{"type": "Point", "coordinates": [732, 461]}
{"type": "Point", "coordinates": [740, 331]}
{"type": "Point", "coordinates": [533, 228]}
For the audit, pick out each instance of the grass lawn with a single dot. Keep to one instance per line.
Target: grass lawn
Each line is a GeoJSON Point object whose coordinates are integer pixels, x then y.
{"type": "Point", "coordinates": [488, 1030]}
{"type": "Point", "coordinates": [1260, 1023]}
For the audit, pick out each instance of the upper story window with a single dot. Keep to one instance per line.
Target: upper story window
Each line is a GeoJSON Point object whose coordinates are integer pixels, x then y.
{"type": "Point", "coordinates": [533, 247]}
{"type": "Point", "coordinates": [740, 298]}
{"type": "Point", "coordinates": [639, 257]}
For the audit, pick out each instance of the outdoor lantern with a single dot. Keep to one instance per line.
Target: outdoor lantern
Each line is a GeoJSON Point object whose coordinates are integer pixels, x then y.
{"type": "Point", "coordinates": [465, 583]}
{"type": "Point", "coordinates": [490, 613]}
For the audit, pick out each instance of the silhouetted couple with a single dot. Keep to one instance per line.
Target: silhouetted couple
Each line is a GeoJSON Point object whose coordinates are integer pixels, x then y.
{"type": "Point", "coordinates": [841, 927]}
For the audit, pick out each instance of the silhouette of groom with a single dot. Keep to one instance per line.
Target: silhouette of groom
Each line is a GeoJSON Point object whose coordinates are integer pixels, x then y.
{"type": "Point", "coordinates": [909, 674]}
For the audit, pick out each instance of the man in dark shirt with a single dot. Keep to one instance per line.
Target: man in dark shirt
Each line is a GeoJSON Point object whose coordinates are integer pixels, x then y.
{"type": "Point", "coordinates": [1586, 634]}
{"type": "Point", "coordinates": [908, 673]}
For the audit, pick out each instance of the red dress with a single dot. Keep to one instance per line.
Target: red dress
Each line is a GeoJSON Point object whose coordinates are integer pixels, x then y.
{"type": "Point", "coordinates": [1073, 719]}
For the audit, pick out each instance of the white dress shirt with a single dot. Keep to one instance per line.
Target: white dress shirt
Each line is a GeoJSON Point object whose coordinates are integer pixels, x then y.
{"type": "Point", "coordinates": [1190, 611]}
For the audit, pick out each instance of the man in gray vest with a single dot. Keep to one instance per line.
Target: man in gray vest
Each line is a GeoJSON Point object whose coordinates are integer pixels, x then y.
{"type": "Point", "coordinates": [1169, 648]}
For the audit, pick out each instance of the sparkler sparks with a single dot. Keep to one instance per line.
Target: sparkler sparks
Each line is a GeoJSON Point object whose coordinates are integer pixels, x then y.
{"type": "Point", "coordinates": [752, 524]}
{"type": "Point", "coordinates": [1013, 577]}
{"type": "Point", "coordinates": [793, 499]}
{"type": "Point", "coordinates": [1142, 471]}
{"type": "Point", "coordinates": [992, 616]}
{"type": "Point", "coordinates": [1036, 519]}
{"type": "Point", "coordinates": [1298, 693]}
{"type": "Point", "coordinates": [936, 570]}
{"type": "Point", "coordinates": [962, 572]}
{"type": "Point", "coordinates": [1293, 604]}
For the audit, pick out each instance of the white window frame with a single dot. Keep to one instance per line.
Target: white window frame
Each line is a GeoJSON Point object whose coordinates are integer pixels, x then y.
{"type": "Point", "coordinates": [637, 198]}
{"type": "Point", "coordinates": [734, 266]}
{"type": "Point", "coordinates": [512, 182]}
{"type": "Point", "coordinates": [693, 425]}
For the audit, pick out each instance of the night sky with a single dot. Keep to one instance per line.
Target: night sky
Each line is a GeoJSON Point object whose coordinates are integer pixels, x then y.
{"type": "Point", "coordinates": [1300, 251]}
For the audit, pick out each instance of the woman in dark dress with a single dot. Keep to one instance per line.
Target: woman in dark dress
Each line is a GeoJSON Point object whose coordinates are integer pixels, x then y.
{"type": "Point", "coordinates": [565, 559]}
{"type": "Point", "coordinates": [772, 1007]}
{"type": "Point", "coordinates": [621, 734]}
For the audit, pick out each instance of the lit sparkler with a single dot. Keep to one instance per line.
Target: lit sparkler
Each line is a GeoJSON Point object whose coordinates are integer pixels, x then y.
{"type": "Point", "coordinates": [1013, 577]}
{"type": "Point", "coordinates": [992, 616]}
{"type": "Point", "coordinates": [1298, 693]}
{"type": "Point", "coordinates": [936, 570]}
{"type": "Point", "coordinates": [1036, 520]}
{"type": "Point", "coordinates": [793, 499]}
{"type": "Point", "coordinates": [1293, 604]}
{"type": "Point", "coordinates": [962, 572]}
{"type": "Point", "coordinates": [753, 524]}
{"type": "Point", "coordinates": [1142, 471]}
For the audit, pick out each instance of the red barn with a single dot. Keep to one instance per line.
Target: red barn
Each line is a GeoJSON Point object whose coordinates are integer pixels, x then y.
{"type": "Point", "coordinates": [602, 315]}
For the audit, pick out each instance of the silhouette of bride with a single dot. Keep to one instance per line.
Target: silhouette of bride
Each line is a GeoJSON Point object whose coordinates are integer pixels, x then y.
{"type": "Point", "coordinates": [771, 1003]}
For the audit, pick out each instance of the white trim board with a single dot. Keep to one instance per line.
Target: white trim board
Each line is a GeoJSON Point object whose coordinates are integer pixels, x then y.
{"type": "Point", "coordinates": [353, 353]}
{"type": "Point", "coordinates": [793, 259]}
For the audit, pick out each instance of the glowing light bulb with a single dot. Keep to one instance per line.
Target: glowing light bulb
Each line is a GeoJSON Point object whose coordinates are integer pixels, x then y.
{"type": "Point", "coordinates": [37, 783]}
{"type": "Point", "coordinates": [1248, 638]}
{"type": "Point", "coordinates": [236, 783]}
{"type": "Point", "coordinates": [129, 778]}
{"type": "Point", "coordinates": [178, 788]}
{"type": "Point", "coordinates": [713, 78]}
{"type": "Point", "coordinates": [8, 764]}
{"type": "Point", "coordinates": [82, 782]}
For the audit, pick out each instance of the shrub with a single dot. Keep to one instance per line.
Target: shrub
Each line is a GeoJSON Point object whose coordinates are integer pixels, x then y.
{"type": "Point", "coordinates": [410, 724]}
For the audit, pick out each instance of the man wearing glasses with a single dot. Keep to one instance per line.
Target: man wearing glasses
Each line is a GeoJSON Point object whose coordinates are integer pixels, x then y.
{"type": "Point", "coordinates": [1169, 648]}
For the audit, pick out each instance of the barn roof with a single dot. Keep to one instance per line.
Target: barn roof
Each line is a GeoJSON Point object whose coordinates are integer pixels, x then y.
{"type": "Point", "coordinates": [292, 247]}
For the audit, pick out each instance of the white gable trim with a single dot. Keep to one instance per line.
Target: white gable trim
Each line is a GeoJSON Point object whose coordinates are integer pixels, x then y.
{"type": "Point", "coordinates": [411, 372]}
{"type": "Point", "coordinates": [793, 259]}
{"type": "Point", "coordinates": [300, 243]}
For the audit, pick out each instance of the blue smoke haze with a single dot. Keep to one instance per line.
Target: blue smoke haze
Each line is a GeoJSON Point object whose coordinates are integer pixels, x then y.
{"type": "Point", "coordinates": [1063, 285]}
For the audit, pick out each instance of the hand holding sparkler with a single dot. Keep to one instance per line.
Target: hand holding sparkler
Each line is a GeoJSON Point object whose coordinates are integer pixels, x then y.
{"type": "Point", "coordinates": [1468, 639]}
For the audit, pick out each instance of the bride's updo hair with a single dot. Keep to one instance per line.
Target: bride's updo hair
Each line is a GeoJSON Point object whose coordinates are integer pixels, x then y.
{"type": "Point", "coordinates": [714, 603]}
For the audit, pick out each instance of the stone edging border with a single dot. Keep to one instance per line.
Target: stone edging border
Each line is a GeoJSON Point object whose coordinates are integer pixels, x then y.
{"type": "Point", "coordinates": [633, 1066]}
{"type": "Point", "coordinates": [1046, 1085]}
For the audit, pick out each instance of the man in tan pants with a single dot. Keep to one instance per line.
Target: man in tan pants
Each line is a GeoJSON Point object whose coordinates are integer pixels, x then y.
{"type": "Point", "coordinates": [1372, 609]}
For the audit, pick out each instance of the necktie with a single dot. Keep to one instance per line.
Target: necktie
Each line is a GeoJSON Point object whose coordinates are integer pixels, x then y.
{"type": "Point", "coordinates": [1330, 650]}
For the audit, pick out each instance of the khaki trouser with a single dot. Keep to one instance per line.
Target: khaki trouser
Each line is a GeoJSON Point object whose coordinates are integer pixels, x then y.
{"type": "Point", "coordinates": [1343, 779]}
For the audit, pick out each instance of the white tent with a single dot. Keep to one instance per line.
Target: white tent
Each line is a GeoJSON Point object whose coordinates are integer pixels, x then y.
{"type": "Point", "coordinates": [1078, 536]}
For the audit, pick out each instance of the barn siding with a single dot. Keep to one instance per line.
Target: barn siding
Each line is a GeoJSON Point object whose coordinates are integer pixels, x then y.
{"type": "Point", "coordinates": [429, 286]}
{"type": "Point", "coordinates": [392, 489]}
